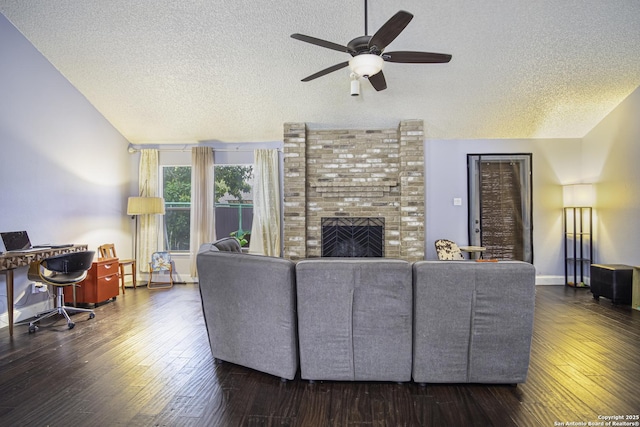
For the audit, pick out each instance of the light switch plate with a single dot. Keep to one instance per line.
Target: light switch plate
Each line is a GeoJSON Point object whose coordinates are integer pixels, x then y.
{"type": "Point", "coordinates": [457, 201]}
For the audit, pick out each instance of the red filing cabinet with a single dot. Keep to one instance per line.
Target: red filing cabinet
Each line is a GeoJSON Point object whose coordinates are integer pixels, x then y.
{"type": "Point", "coordinates": [101, 283]}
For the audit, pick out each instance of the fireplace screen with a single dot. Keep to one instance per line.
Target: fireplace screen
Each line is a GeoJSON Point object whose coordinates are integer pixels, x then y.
{"type": "Point", "coordinates": [353, 237]}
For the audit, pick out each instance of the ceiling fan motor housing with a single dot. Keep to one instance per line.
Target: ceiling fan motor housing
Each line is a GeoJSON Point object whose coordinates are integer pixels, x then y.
{"type": "Point", "coordinates": [360, 45]}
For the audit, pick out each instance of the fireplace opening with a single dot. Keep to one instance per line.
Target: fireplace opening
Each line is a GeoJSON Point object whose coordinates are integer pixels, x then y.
{"type": "Point", "coordinates": [352, 237]}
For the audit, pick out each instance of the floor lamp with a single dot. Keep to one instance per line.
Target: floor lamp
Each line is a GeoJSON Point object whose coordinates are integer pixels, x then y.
{"type": "Point", "coordinates": [578, 200]}
{"type": "Point", "coordinates": [137, 206]}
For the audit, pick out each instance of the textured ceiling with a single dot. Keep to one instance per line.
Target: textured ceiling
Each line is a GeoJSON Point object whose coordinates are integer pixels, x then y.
{"type": "Point", "coordinates": [227, 70]}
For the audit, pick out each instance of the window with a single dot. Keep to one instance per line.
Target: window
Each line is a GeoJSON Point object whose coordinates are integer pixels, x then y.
{"type": "Point", "coordinates": [176, 190]}
{"type": "Point", "coordinates": [234, 203]}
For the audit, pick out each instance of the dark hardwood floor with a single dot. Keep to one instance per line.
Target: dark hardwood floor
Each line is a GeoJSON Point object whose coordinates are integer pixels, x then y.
{"type": "Point", "coordinates": [145, 361]}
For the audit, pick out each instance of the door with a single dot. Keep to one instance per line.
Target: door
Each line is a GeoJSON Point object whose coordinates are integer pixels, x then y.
{"type": "Point", "coordinates": [500, 211]}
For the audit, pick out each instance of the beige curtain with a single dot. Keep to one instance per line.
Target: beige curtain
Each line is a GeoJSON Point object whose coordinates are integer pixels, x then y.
{"type": "Point", "coordinates": [265, 231]}
{"type": "Point", "coordinates": [202, 202]}
{"type": "Point", "coordinates": [149, 234]}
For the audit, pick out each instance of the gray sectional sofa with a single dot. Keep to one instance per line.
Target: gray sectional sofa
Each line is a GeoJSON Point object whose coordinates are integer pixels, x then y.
{"type": "Point", "coordinates": [368, 319]}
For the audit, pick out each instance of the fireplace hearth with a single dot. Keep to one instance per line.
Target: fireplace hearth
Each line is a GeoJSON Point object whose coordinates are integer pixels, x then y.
{"type": "Point", "coordinates": [352, 237]}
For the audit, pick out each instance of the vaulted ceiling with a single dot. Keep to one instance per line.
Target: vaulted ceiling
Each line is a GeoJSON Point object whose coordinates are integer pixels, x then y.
{"type": "Point", "coordinates": [227, 70]}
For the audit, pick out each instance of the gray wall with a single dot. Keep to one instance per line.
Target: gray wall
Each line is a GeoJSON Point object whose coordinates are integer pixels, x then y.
{"type": "Point", "coordinates": [64, 170]}
{"type": "Point", "coordinates": [555, 162]}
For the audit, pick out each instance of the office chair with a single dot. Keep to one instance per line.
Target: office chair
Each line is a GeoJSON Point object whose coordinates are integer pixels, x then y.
{"type": "Point", "coordinates": [161, 262]}
{"type": "Point", "coordinates": [60, 271]}
{"type": "Point", "coordinates": [108, 250]}
{"type": "Point", "coordinates": [448, 250]}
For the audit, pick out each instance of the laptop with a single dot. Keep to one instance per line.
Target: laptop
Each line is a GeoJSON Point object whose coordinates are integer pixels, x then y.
{"type": "Point", "coordinates": [18, 241]}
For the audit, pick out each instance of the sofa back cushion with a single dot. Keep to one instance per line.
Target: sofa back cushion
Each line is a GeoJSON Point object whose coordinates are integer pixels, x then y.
{"type": "Point", "coordinates": [473, 321]}
{"type": "Point", "coordinates": [354, 319]}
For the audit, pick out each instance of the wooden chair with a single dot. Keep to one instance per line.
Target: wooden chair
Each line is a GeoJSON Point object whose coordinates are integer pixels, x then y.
{"type": "Point", "coordinates": [108, 250]}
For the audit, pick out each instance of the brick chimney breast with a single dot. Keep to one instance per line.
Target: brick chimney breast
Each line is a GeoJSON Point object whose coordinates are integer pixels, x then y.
{"type": "Point", "coordinates": [354, 173]}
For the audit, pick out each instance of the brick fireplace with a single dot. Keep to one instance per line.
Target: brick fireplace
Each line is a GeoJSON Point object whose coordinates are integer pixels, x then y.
{"type": "Point", "coordinates": [375, 173]}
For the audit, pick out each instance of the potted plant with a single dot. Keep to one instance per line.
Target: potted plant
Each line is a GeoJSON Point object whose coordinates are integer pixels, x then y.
{"type": "Point", "coordinates": [244, 237]}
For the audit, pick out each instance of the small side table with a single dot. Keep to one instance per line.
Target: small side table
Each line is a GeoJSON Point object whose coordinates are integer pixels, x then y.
{"type": "Point", "coordinates": [613, 281]}
{"type": "Point", "coordinates": [475, 252]}
{"type": "Point", "coordinates": [635, 293]}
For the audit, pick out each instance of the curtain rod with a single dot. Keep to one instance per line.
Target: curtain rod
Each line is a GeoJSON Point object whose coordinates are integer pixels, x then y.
{"type": "Point", "coordinates": [216, 147]}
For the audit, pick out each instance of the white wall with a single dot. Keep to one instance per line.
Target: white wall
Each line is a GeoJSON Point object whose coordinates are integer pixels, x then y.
{"type": "Point", "coordinates": [555, 162]}
{"type": "Point", "coordinates": [611, 160]}
{"type": "Point", "coordinates": [64, 170]}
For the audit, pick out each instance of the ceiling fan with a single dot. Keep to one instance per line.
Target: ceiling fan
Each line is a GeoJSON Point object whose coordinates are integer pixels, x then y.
{"type": "Point", "coordinates": [368, 51]}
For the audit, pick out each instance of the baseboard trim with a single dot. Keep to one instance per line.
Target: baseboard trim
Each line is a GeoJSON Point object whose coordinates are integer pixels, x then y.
{"type": "Point", "coordinates": [21, 314]}
{"type": "Point", "coordinates": [549, 280]}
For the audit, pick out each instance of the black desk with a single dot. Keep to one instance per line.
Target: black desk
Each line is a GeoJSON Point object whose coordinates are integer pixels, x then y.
{"type": "Point", "coordinates": [11, 261]}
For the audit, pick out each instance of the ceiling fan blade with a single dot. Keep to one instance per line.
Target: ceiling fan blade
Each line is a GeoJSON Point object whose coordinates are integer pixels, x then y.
{"type": "Point", "coordinates": [390, 30]}
{"type": "Point", "coordinates": [378, 81]}
{"type": "Point", "coordinates": [320, 42]}
{"type": "Point", "coordinates": [326, 71]}
{"type": "Point", "coordinates": [409, 57]}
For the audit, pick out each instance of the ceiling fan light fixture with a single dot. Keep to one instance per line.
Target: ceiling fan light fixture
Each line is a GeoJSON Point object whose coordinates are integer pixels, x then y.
{"type": "Point", "coordinates": [366, 64]}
